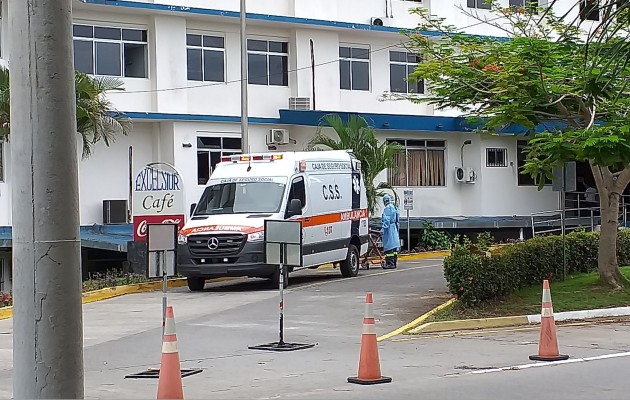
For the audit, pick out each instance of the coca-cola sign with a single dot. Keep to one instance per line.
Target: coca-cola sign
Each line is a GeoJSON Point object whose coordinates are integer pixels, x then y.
{"type": "Point", "coordinates": [158, 197]}
{"type": "Point", "coordinates": [141, 222]}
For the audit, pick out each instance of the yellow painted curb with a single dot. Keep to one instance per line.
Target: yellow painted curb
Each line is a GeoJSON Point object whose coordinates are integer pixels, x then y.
{"type": "Point", "coordinates": [111, 292]}
{"type": "Point", "coordinates": [424, 255]}
{"type": "Point", "coordinates": [415, 322]}
{"type": "Point", "coordinates": [407, 257]}
{"type": "Point", "coordinates": [470, 324]}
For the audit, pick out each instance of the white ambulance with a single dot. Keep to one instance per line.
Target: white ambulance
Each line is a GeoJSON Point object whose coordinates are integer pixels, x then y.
{"type": "Point", "coordinates": [224, 236]}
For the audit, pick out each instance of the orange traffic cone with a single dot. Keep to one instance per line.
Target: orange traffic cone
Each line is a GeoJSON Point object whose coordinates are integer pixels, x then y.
{"type": "Point", "coordinates": [548, 343]}
{"type": "Point", "coordinates": [170, 379]}
{"type": "Point", "coordinates": [369, 365]}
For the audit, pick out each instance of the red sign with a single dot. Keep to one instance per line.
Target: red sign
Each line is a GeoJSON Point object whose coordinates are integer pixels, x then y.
{"type": "Point", "coordinates": [140, 223]}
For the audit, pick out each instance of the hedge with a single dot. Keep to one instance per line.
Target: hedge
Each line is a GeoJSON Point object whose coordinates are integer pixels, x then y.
{"type": "Point", "coordinates": [475, 276]}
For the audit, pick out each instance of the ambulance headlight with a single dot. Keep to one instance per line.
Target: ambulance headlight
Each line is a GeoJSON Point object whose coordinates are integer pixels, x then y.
{"type": "Point", "coordinates": [181, 239]}
{"type": "Point", "coordinates": [254, 237]}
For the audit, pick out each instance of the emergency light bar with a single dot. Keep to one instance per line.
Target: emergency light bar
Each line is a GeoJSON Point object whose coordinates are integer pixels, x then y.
{"type": "Point", "coordinates": [266, 157]}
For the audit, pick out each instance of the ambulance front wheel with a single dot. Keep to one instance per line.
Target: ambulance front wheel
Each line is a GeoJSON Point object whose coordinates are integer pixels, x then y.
{"type": "Point", "coordinates": [350, 266]}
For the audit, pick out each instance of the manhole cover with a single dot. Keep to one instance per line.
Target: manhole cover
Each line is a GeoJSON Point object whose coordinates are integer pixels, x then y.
{"type": "Point", "coordinates": [153, 373]}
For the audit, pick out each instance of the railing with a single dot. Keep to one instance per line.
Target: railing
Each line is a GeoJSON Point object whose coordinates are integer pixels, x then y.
{"type": "Point", "coordinates": [578, 214]}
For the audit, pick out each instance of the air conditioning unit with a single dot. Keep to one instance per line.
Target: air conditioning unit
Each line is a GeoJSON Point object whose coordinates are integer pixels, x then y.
{"type": "Point", "coordinates": [460, 174]}
{"type": "Point", "coordinates": [471, 175]}
{"type": "Point", "coordinates": [465, 175]}
{"type": "Point", "coordinates": [114, 212]}
{"type": "Point", "coordinates": [278, 136]}
{"type": "Point", "coordinates": [299, 103]}
{"type": "Point", "coordinates": [378, 21]}
{"type": "Point", "coordinates": [381, 21]}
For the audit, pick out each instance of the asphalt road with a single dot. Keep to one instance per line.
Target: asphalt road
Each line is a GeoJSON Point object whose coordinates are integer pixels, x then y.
{"type": "Point", "coordinates": [215, 327]}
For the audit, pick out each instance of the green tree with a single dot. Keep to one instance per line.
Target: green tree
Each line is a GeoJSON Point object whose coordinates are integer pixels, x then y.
{"type": "Point", "coordinates": [549, 71]}
{"type": "Point", "coordinates": [357, 135]}
{"type": "Point", "coordinates": [97, 120]}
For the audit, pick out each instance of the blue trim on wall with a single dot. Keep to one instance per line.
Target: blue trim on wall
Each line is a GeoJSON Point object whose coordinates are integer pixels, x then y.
{"type": "Point", "coordinates": [391, 122]}
{"type": "Point", "coordinates": [151, 116]}
{"type": "Point", "coordinates": [253, 16]}
{"type": "Point", "coordinates": [400, 122]}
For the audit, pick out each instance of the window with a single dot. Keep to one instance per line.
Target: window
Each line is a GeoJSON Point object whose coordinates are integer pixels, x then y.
{"type": "Point", "coordinates": [524, 179]}
{"type": "Point", "coordinates": [268, 62]}
{"type": "Point", "coordinates": [401, 65]}
{"type": "Point", "coordinates": [1, 161]}
{"type": "Point", "coordinates": [531, 5]}
{"type": "Point", "coordinates": [298, 191]}
{"type": "Point", "coordinates": [209, 153]}
{"type": "Point", "coordinates": [354, 68]}
{"type": "Point", "coordinates": [241, 198]}
{"type": "Point", "coordinates": [478, 4]}
{"type": "Point", "coordinates": [496, 157]}
{"type": "Point", "coordinates": [422, 164]}
{"type": "Point", "coordinates": [110, 51]}
{"type": "Point", "coordinates": [589, 10]}
{"type": "Point", "coordinates": [206, 58]}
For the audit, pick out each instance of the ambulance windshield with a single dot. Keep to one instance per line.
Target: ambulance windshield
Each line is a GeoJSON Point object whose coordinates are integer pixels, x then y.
{"type": "Point", "coordinates": [238, 197]}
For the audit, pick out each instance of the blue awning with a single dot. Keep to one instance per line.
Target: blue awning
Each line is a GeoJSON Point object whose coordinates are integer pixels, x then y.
{"type": "Point", "coordinates": [102, 237]}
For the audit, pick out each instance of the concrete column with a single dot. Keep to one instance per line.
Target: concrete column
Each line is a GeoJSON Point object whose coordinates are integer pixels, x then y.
{"type": "Point", "coordinates": [47, 322]}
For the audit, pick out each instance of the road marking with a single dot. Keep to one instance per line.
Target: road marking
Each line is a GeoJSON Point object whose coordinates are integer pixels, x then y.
{"type": "Point", "coordinates": [415, 322]}
{"type": "Point", "coordinates": [360, 277]}
{"type": "Point", "coordinates": [551, 364]}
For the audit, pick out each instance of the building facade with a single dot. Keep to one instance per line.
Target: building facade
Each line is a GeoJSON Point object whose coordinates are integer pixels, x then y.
{"type": "Point", "coordinates": [180, 64]}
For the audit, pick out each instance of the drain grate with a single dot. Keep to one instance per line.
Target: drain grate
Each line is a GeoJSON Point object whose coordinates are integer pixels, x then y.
{"type": "Point", "coordinates": [154, 373]}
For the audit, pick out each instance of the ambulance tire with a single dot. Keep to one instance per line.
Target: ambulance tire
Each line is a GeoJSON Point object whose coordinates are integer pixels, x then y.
{"type": "Point", "coordinates": [350, 266]}
{"type": "Point", "coordinates": [275, 278]}
{"type": "Point", "coordinates": [196, 284]}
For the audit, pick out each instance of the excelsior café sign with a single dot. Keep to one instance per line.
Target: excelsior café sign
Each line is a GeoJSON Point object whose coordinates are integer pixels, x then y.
{"type": "Point", "coordinates": [158, 198]}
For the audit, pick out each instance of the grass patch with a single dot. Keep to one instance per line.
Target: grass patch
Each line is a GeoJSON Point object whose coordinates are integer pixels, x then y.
{"type": "Point", "coordinates": [578, 292]}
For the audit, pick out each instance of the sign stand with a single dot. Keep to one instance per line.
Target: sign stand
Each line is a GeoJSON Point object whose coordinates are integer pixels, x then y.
{"type": "Point", "coordinates": [162, 240]}
{"type": "Point", "coordinates": [408, 204]}
{"type": "Point", "coordinates": [283, 246]}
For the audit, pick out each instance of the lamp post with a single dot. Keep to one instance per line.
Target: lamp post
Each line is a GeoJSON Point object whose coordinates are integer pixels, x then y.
{"type": "Point", "coordinates": [244, 81]}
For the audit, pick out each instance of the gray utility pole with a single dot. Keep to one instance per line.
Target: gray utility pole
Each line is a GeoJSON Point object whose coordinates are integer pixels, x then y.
{"type": "Point", "coordinates": [244, 80]}
{"type": "Point", "coordinates": [47, 320]}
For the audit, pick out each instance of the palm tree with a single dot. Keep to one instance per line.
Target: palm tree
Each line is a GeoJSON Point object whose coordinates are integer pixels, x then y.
{"type": "Point", "coordinates": [97, 119]}
{"type": "Point", "coordinates": [357, 135]}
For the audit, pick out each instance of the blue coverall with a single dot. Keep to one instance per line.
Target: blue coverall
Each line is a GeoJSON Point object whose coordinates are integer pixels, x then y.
{"type": "Point", "coordinates": [390, 225]}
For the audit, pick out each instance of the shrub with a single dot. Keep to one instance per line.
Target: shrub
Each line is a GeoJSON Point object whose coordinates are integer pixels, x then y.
{"type": "Point", "coordinates": [473, 277]}
{"type": "Point", "coordinates": [6, 299]}
{"type": "Point", "coordinates": [432, 239]}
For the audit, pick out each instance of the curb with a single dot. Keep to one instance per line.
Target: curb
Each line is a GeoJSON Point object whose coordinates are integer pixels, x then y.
{"type": "Point", "coordinates": [116, 291]}
{"type": "Point", "coordinates": [408, 257]}
{"type": "Point", "coordinates": [415, 322]}
{"type": "Point", "coordinates": [503, 322]}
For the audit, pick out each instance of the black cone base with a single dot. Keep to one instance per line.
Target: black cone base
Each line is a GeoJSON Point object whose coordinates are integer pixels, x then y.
{"type": "Point", "coordinates": [559, 357]}
{"type": "Point", "coordinates": [382, 379]}
{"type": "Point", "coordinates": [277, 346]}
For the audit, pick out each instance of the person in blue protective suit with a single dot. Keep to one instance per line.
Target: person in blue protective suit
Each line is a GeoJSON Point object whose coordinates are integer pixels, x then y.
{"type": "Point", "coordinates": [390, 226]}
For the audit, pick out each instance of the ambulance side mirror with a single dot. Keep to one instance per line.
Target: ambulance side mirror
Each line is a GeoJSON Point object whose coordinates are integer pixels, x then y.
{"type": "Point", "coordinates": [192, 208]}
{"type": "Point", "coordinates": [295, 208]}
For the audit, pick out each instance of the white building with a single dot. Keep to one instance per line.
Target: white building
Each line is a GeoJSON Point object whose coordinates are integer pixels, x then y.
{"type": "Point", "coordinates": [180, 64]}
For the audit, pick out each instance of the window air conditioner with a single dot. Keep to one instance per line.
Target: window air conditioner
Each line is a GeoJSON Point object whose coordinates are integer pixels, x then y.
{"type": "Point", "coordinates": [114, 212]}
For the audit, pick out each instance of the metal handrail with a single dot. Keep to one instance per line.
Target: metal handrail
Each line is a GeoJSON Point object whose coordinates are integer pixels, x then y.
{"type": "Point", "coordinates": [557, 220]}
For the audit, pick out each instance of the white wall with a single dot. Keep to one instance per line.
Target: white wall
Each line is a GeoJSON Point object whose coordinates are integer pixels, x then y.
{"type": "Point", "coordinates": [105, 175]}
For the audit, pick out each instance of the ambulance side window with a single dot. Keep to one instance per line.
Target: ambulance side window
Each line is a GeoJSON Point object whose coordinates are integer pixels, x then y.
{"type": "Point", "coordinates": [298, 191]}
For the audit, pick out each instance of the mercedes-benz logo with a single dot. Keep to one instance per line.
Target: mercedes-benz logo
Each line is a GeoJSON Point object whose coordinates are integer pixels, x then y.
{"type": "Point", "coordinates": [213, 243]}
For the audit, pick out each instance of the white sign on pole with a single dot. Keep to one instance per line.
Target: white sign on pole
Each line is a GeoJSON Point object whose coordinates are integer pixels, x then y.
{"type": "Point", "coordinates": [408, 200]}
